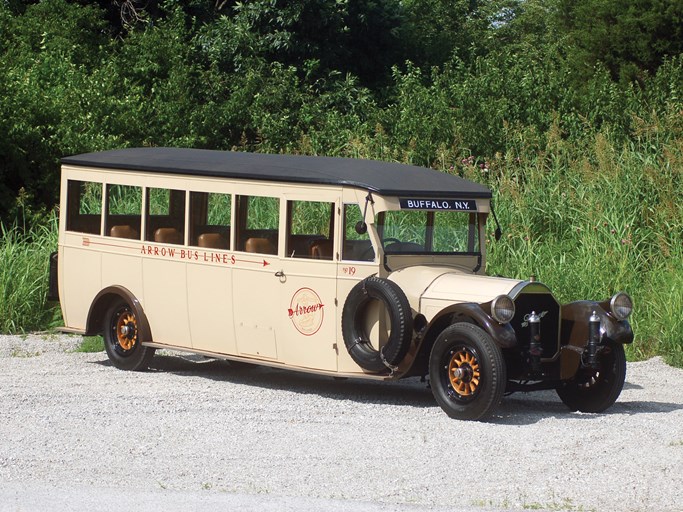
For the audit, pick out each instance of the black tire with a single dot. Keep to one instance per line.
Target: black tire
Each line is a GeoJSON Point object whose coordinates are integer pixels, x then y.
{"type": "Point", "coordinates": [594, 390]}
{"type": "Point", "coordinates": [121, 339]}
{"type": "Point", "coordinates": [478, 388]}
{"type": "Point", "coordinates": [353, 319]}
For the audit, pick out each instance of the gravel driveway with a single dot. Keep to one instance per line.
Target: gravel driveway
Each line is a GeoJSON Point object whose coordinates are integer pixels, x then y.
{"type": "Point", "coordinates": [76, 433]}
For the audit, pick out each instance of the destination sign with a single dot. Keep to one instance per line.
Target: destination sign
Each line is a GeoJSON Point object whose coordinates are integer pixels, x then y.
{"type": "Point", "coordinates": [458, 205]}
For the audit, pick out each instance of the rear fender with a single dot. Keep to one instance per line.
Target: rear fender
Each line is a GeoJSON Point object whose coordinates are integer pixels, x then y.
{"type": "Point", "coordinates": [103, 301]}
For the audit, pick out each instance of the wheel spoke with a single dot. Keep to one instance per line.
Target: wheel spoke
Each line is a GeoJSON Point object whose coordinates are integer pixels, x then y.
{"type": "Point", "coordinates": [463, 371]}
{"type": "Point", "coordinates": [126, 330]}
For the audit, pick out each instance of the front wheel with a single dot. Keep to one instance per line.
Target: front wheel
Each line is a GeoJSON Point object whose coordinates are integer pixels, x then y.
{"type": "Point", "coordinates": [467, 372]}
{"type": "Point", "coordinates": [121, 339]}
{"type": "Point", "coordinates": [596, 389]}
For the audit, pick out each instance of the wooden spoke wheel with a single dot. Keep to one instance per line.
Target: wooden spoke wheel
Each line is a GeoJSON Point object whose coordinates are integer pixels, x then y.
{"type": "Point", "coordinates": [467, 372]}
{"type": "Point", "coordinates": [126, 329]}
{"type": "Point", "coordinates": [122, 338]}
{"type": "Point", "coordinates": [464, 372]}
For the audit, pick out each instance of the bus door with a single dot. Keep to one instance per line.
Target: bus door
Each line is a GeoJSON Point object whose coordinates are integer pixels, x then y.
{"type": "Point", "coordinates": [255, 288]}
{"type": "Point", "coordinates": [306, 276]}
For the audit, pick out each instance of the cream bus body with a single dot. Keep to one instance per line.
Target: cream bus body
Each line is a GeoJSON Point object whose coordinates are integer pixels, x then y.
{"type": "Point", "coordinates": [335, 266]}
{"type": "Point", "coordinates": [237, 304]}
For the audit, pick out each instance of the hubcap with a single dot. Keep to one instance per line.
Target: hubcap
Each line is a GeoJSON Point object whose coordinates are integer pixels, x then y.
{"type": "Point", "coordinates": [126, 330]}
{"type": "Point", "coordinates": [463, 372]}
{"type": "Point", "coordinates": [589, 380]}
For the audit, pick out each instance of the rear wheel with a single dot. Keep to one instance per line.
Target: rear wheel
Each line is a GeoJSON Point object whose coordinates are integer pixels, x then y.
{"type": "Point", "coordinates": [121, 339]}
{"type": "Point", "coordinates": [596, 389]}
{"type": "Point", "coordinates": [467, 372]}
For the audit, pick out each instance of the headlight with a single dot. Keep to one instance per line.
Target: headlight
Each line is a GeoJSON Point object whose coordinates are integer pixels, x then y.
{"type": "Point", "coordinates": [502, 309]}
{"type": "Point", "coordinates": [621, 306]}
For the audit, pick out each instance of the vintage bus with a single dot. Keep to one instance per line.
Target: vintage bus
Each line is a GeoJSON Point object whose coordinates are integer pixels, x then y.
{"type": "Point", "coordinates": [343, 267]}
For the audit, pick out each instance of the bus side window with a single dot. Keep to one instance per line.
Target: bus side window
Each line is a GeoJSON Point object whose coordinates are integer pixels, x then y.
{"type": "Point", "coordinates": [310, 225]}
{"type": "Point", "coordinates": [84, 207]}
{"type": "Point", "coordinates": [356, 246]}
{"type": "Point", "coordinates": [210, 220]}
{"type": "Point", "coordinates": [123, 218]}
{"type": "Point", "coordinates": [165, 216]}
{"type": "Point", "coordinates": [258, 221]}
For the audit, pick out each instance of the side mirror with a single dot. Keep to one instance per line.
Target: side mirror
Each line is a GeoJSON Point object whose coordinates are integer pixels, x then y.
{"type": "Point", "coordinates": [361, 227]}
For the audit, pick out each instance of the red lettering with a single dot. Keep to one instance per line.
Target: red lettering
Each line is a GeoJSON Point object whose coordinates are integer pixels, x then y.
{"type": "Point", "coordinates": [156, 251]}
{"type": "Point", "coordinates": [304, 310]}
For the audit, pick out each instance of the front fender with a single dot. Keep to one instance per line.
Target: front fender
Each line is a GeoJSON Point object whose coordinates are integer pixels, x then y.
{"type": "Point", "coordinates": [502, 334]}
{"type": "Point", "coordinates": [575, 315]}
{"type": "Point", "coordinates": [574, 331]}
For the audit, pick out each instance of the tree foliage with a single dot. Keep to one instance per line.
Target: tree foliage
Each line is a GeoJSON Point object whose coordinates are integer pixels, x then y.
{"type": "Point", "coordinates": [409, 80]}
{"type": "Point", "coordinates": [630, 38]}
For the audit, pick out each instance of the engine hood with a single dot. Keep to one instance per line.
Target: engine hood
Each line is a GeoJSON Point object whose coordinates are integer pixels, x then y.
{"type": "Point", "coordinates": [431, 285]}
{"type": "Point", "coordinates": [469, 288]}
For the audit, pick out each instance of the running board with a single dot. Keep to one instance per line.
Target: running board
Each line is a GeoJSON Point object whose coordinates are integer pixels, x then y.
{"type": "Point", "coordinates": [266, 362]}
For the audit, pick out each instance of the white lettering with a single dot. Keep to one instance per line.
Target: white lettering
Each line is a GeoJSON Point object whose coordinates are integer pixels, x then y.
{"type": "Point", "coordinates": [437, 204]}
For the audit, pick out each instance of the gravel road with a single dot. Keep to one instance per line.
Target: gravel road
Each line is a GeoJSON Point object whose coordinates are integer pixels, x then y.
{"type": "Point", "coordinates": [76, 434]}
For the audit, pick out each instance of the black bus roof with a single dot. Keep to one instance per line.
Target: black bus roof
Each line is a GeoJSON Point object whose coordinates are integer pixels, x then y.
{"type": "Point", "coordinates": [384, 178]}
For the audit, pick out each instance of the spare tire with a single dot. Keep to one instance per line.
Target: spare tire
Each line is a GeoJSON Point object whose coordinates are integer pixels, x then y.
{"type": "Point", "coordinates": [353, 324]}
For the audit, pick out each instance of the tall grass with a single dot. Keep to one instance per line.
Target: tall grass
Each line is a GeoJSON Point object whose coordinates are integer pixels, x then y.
{"type": "Point", "coordinates": [594, 220]}
{"type": "Point", "coordinates": [586, 221]}
{"type": "Point", "coordinates": [589, 208]}
{"type": "Point", "coordinates": [24, 274]}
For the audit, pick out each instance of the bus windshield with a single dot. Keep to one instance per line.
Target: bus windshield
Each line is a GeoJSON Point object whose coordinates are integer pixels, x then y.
{"type": "Point", "coordinates": [428, 232]}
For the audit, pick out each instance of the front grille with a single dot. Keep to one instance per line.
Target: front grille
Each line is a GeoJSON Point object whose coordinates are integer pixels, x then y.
{"type": "Point", "coordinates": [545, 305]}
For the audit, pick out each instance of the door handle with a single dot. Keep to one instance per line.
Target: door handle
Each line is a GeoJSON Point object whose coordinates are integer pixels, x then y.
{"type": "Point", "coordinates": [279, 273]}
